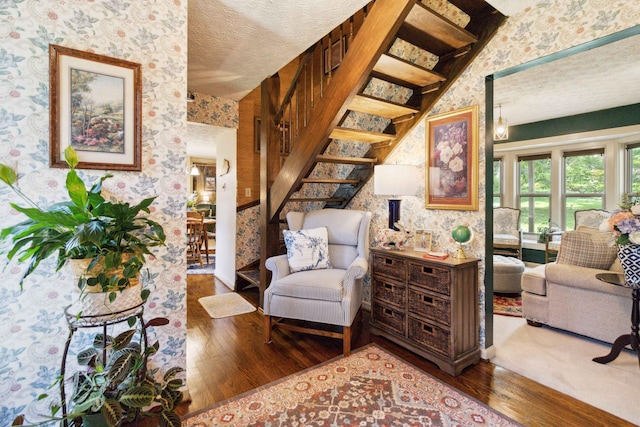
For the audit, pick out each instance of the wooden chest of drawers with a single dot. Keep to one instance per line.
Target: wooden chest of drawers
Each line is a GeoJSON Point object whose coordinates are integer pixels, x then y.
{"type": "Point", "coordinates": [428, 306]}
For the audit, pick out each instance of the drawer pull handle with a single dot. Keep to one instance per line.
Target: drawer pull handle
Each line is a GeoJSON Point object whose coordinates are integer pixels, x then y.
{"type": "Point", "coordinates": [427, 329]}
{"type": "Point", "coordinates": [427, 270]}
{"type": "Point", "coordinates": [387, 312]}
{"type": "Point", "coordinates": [388, 261]}
{"type": "Point", "coordinates": [388, 286]}
{"type": "Point", "coordinates": [427, 300]}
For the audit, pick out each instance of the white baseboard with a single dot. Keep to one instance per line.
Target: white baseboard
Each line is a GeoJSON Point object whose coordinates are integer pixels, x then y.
{"type": "Point", "coordinates": [488, 353]}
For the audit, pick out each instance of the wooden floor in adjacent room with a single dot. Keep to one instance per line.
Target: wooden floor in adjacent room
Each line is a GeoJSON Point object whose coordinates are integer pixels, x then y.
{"type": "Point", "coordinates": [227, 357]}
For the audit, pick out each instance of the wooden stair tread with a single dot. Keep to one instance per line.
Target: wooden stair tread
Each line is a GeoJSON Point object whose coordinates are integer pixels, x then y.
{"type": "Point", "coordinates": [425, 28]}
{"type": "Point", "coordinates": [379, 107]}
{"type": "Point", "coordinates": [317, 199]}
{"type": "Point", "coordinates": [329, 181]}
{"type": "Point", "coordinates": [360, 135]}
{"type": "Point", "coordinates": [396, 70]}
{"type": "Point", "coordinates": [323, 158]}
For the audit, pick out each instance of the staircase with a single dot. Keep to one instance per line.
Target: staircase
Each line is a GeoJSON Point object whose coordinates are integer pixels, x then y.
{"type": "Point", "coordinates": [356, 94]}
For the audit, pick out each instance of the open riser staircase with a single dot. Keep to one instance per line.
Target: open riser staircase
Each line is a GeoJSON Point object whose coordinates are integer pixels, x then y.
{"type": "Point", "coordinates": [355, 95]}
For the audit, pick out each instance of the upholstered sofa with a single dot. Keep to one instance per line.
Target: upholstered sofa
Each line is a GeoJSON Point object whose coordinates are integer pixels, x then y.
{"type": "Point", "coordinates": [567, 295]}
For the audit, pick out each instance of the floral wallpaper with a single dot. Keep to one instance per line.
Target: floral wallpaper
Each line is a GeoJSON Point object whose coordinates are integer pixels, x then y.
{"type": "Point", "coordinates": [212, 110]}
{"type": "Point", "coordinates": [549, 27]}
{"type": "Point", "coordinates": [153, 33]}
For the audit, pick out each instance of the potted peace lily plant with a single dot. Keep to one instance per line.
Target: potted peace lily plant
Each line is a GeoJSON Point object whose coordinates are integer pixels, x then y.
{"type": "Point", "coordinates": [104, 243]}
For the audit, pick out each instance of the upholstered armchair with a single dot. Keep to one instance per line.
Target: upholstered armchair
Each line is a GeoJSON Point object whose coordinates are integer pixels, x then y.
{"type": "Point", "coordinates": [507, 237]}
{"type": "Point", "coordinates": [309, 286]}
{"type": "Point", "coordinates": [590, 217]}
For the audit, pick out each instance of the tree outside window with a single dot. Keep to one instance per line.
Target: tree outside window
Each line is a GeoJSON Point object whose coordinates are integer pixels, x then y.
{"type": "Point", "coordinates": [584, 183]}
{"type": "Point", "coordinates": [534, 185]}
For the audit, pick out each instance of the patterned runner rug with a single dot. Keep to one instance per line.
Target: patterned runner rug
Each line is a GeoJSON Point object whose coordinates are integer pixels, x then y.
{"type": "Point", "coordinates": [370, 387]}
{"type": "Point", "coordinates": [196, 268]}
{"type": "Point", "coordinates": [507, 305]}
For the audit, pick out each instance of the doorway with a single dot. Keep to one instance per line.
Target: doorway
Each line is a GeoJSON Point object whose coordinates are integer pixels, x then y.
{"type": "Point", "coordinates": [215, 148]}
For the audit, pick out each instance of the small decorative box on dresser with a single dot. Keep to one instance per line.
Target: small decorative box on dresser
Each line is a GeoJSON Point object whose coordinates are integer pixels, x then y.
{"type": "Point", "coordinates": [427, 306]}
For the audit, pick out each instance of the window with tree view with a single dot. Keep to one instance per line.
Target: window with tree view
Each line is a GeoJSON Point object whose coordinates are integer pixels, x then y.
{"type": "Point", "coordinates": [497, 183]}
{"type": "Point", "coordinates": [584, 183]}
{"type": "Point", "coordinates": [632, 187]}
{"type": "Point", "coordinates": [534, 195]}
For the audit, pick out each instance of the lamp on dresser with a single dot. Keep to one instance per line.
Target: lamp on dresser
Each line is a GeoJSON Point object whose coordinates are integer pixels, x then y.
{"type": "Point", "coordinates": [395, 181]}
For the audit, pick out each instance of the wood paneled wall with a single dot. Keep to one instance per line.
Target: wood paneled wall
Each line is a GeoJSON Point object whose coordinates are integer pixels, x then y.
{"type": "Point", "coordinates": [248, 158]}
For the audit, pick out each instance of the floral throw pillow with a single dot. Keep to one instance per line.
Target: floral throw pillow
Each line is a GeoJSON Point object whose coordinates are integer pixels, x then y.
{"type": "Point", "coordinates": [307, 249]}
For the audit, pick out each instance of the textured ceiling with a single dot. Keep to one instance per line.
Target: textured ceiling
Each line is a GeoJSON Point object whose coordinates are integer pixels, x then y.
{"type": "Point", "coordinates": [235, 44]}
{"type": "Point", "coordinates": [600, 78]}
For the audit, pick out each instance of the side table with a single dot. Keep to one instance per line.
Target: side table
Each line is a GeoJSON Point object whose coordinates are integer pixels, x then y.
{"type": "Point", "coordinates": [632, 339]}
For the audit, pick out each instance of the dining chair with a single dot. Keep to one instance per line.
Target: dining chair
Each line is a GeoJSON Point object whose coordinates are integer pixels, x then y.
{"type": "Point", "coordinates": [195, 236]}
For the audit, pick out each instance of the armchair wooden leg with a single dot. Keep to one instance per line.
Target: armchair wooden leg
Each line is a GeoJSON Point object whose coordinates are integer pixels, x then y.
{"type": "Point", "coordinates": [267, 329]}
{"type": "Point", "coordinates": [346, 341]}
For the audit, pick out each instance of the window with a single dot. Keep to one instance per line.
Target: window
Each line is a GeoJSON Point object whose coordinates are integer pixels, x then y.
{"type": "Point", "coordinates": [534, 191]}
{"type": "Point", "coordinates": [497, 183]}
{"type": "Point", "coordinates": [584, 183]}
{"type": "Point", "coordinates": [632, 177]}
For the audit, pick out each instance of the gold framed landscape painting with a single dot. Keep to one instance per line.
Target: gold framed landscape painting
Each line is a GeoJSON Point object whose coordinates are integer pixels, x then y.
{"type": "Point", "coordinates": [95, 107]}
{"type": "Point", "coordinates": [452, 160]}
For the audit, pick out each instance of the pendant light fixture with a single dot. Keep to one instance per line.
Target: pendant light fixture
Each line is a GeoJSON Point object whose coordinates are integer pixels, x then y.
{"type": "Point", "coordinates": [500, 129]}
{"type": "Point", "coordinates": [194, 171]}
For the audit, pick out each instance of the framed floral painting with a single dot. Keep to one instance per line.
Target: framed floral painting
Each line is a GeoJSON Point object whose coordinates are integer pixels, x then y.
{"type": "Point", "coordinates": [95, 105]}
{"type": "Point", "coordinates": [452, 160]}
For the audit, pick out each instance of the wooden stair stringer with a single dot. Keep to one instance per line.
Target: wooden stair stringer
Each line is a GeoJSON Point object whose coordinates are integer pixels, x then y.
{"type": "Point", "coordinates": [372, 40]}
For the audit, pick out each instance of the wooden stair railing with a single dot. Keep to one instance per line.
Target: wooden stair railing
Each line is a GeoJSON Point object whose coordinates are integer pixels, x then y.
{"type": "Point", "coordinates": [317, 110]}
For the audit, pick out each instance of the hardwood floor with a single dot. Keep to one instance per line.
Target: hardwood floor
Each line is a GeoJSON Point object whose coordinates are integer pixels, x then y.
{"type": "Point", "coordinates": [226, 357]}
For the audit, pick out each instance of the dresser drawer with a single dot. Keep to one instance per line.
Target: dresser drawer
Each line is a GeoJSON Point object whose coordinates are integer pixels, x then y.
{"type": "Point", "coordinates": [389, 291]}
{"type": "Point", "coordinates": [429, 306]}
{"type": "Point", "coordinates": [388, 317]}
{"type": "Point", "coordinates": [433, 278]}
{"type": "Point", "coordinates": [428, 335]}
{"type": "Point", "coordinates": [389, 266]}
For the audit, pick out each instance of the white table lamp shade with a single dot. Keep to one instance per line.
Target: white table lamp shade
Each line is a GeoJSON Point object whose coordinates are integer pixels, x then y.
{"type": "Point", "coordinates": [395, 180]}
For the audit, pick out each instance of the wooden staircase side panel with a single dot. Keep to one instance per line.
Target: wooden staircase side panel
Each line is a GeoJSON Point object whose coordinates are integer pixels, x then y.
{"type": "Point", "coordinates": [373, 38]}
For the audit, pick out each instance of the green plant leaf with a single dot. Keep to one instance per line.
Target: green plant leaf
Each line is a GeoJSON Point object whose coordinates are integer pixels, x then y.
{"type": "Point", "coordinates": [121, 366]}
{"type": "Point", "coordinates": [87, 356]}
{"type": "Point", "coordinates": [76, 189]}
{"type": "Point", "coordinates": [8, 175]}
{"type": "Point", "coordinates": [174, 385]}
{"type": "Point", "coordinates": [138, 397]}
{"type": "Point", "coordinates": [170, 419]}
{"type": "Point", "coordinates": [71, 156]}
{"type": "Point", "coordinates": [112, 412]}
{"type": "Point", "coordinates": [99, 340]}
{"type": "Point", "coordinates": [172, 373]}
{"type": "Point", "coordinates": [123, 339]}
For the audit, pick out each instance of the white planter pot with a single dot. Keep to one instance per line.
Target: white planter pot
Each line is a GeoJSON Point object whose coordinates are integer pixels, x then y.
{"type": "Point", "coordinates": [92, 301]}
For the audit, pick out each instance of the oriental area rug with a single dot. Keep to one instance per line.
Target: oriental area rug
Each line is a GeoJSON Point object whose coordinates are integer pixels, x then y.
{"type": "Point", "coordinates": [507, 305]}
{"type": "Point", "coordinates": [368, 388]}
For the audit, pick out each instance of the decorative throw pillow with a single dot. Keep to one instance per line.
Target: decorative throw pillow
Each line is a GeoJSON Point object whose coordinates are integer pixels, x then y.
{"type": "Point", "coordinates": [586, 250]}
{"type": "Point", "coordinates": [307, 249]}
